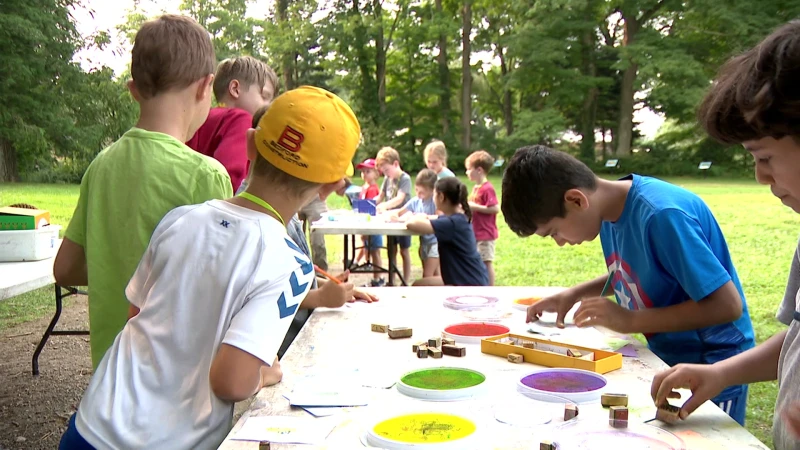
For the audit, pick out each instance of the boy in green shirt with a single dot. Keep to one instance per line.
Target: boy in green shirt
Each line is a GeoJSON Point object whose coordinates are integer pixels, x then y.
{"type": "Point", "coordinates": [149, 171]}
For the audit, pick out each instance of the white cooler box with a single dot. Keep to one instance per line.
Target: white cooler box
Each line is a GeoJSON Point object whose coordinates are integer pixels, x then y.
{"type": "Point", "coordinates": [29, 245]}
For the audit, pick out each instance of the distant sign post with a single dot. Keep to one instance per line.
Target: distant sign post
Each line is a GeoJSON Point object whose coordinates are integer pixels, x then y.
{"type": "Point", "coordinates": [705, 166]}
{"type": "Point", "coordinates": [612, 164]}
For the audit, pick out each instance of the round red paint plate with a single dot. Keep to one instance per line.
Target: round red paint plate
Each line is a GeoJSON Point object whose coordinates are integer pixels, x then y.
{"type": "Point", "coordinates": [473, 332]}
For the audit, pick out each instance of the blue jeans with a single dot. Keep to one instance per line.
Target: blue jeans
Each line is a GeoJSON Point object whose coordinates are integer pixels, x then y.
{"type": "Point", "coordinates": [72, 440]}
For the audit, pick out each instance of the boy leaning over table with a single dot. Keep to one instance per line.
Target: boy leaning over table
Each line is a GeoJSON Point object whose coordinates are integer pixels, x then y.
{"type": "Point", "coordinates": [673, 277]}
{"type": "Point", "coordinates": [195, 345]}
{"type": "Point", "coordinates": [755, 102]}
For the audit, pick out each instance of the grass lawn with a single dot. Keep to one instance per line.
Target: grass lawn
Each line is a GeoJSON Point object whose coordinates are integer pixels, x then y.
{"type": "Point", "coordinates": [761, 233]}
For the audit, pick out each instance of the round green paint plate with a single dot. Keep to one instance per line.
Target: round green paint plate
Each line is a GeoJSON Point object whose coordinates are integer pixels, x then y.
{"type": "Point", "coordinates": [442, 383]}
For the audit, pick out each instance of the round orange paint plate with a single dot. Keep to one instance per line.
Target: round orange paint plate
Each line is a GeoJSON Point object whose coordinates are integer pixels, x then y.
{"type": "Point", "coordinates": [523, 303]}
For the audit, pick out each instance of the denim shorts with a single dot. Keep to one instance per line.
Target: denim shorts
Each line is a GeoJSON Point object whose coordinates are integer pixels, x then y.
{"type": "Point", "coordinates": [428, 250]}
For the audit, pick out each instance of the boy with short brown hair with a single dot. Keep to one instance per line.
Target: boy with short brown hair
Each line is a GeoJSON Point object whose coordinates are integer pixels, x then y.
{"type": "Point", "coordinates": [132, 184]}
{"type": "Point", "coordinates": [242, 85]}
{"type": "Point", "coordinates": [395, 193]}
{"type": "Point", "coordinates": [484, 205]}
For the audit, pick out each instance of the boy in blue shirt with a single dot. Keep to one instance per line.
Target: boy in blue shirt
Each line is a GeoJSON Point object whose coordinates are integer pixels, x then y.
{"type": "Point", "coordinates": [673, 277]}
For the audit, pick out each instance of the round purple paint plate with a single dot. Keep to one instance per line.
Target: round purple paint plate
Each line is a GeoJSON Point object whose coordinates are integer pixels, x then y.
{"type": "Point", "coordinates": [573, 384]}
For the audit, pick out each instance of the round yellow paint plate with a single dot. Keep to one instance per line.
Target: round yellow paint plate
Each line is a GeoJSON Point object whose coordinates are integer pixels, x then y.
{"type": "Point", "coordinates": [523, 303]}
{"type": "Point", "coordinates": [422, 430]}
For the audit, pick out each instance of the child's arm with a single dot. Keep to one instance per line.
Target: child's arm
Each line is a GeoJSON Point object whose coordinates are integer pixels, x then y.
{"type": "Point", "coordinates": [723, 306]}
{"type": "Point", "coordinates": [486, 201]}
{"type": "Point", "coordinates": [681, 247]}
{"type": "Point", "coordinates": [393, 203]}
{"type": "Point", "coordinates": [235, 375]}
{"type": "Point", "coordinates": [420, 224]}
{"type": "Point", "coordinates": [69, 267]}
{"type": "Point", "coordinates": [484, 209]}
{"type": "Point", "coordinates": [707, 381]}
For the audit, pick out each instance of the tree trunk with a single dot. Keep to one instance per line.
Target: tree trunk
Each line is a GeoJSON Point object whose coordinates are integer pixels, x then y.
{"type": "Point", "coordinates": [589, 108]}
{"type": "Point", "coordinates": [466, 76]}
{"type": "Point", "coordinates": [508, 111]}
{"type": "Point", "coordinates": [287, 59]}
{"type": "Point", "coordinates": [380, 60]}
{"type": "Point", "coordinates": [8, 162]}
{"type": "Point", "coordinates": [604, 145]}
{"type": "Point", "coordinates": [444, 74]}
{"type": "Point", "coordinates": [368, 90]}
{"type": "Point", "coordinates": [628, 90]}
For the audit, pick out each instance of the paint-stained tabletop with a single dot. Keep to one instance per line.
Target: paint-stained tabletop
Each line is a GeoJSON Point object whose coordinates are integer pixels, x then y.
{"type": "Point", "coordinates": [341, 340]}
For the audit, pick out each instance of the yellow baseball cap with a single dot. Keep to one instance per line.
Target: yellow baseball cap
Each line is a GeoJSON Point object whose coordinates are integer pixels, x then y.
{"type": "Point", "coordinates": [311, 134]}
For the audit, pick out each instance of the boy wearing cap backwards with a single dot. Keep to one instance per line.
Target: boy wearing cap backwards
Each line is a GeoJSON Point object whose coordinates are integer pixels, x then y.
{"type": "Point", "coordinates": [153, 172]}
{"type": "Point", "coordinates": [754, 102]}
{"type": "Point", "coordinates": [242, 85]}
{"type": "Point", "coordinates": [200, 343]}
{"type": "Point", "coordinates": [371, 191]}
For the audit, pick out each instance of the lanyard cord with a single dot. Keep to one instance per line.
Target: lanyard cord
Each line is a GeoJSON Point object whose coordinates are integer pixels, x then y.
{"type": "Point", "coordinates": [263, 204]}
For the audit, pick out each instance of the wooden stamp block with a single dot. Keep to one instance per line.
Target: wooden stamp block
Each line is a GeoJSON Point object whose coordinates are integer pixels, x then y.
{"type": "Point", "coordinates": [399, 332]}
{"type": "Point", "coordinates": [454, 350]}
{"type": "Point", "coordinates": [515, 358]}
{"type": "Point", "coordinates": [529, 345]}
{"type": "Point", "coordinates": [434, 352]}
{"type": "Point", "coordinates": [570, 411]}
{"type": "Point", "coordinates": [618, 416]}
{"type": "Point", "coordinates": [574, 353]}
{"type": "Point", "coordinates": [422, 352]}
{"type": "Point", "coordinates": [379, 328]}
{"type": "Point", "coordinates": [668, 413]}
{"type": "Point", "coordinates": [448, 341]}
{"type": "Point", "coordinates": [435, 342]}
{"type": "Point", "coordinates": [548, 445]}
{"type": "Point", "coordinates": [418, 346]}
{"type": "Point", "coordinates": [614, 400]}
{"type": "Point", "coordinates": [263, 445]}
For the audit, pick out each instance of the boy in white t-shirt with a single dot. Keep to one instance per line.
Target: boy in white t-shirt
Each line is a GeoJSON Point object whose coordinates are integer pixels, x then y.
{"type": "Point", "coordinates": [216, 291]}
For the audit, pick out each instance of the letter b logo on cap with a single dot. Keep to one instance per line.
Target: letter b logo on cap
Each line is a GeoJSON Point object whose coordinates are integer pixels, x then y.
{"type": "Point", "coordinates": [291, 139]}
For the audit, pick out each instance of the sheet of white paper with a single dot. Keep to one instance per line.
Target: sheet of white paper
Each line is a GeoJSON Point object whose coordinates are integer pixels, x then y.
{"type": "Point", "coordinates": [286, 430]}
{"type": "Point", "coordinates": [321, 398]}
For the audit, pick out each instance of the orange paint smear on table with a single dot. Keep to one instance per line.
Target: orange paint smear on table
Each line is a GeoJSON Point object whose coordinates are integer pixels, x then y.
{"type": "Point", "coordinates": [694, 440]}
{"type": "Point", "coordinates": [527, 301]}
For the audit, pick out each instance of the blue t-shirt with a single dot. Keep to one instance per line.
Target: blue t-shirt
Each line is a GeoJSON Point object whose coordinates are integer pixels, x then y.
{"type": "Point", "coordinates": [418, 205]}
{"type": "Point", "coordinates": [459, 260]}
{"type": "Point", "coordinates": [667, 248]}
{"type": "Point", "coordinates": [445, 173]}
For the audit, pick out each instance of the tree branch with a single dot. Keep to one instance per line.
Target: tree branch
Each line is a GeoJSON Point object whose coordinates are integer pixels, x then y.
{"type": "Point", "coordinates": [388, 42]}
{"type": "Point", "coordinates": [647, 15]}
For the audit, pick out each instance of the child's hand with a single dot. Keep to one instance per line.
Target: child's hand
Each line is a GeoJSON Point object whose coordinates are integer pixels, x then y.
{"type": "Point", "coordinates": [344, 276]}
{"type": "Point", "coordinates": [560, 304]}
{"type": "Point", "coordinates": [359, 295]}
{"type": "Point", "coordinates": [704, 380]}
{"type": "Point", "coordinates": [380, 207]}
{"type": "Point", "coordinates": [600, 311]}
{"type": "Point", "coordinates": [334, 295]}
{"type": "Point", "coordinates": [271, 374]}
{"type": "Point", "coordinates": [791, 418]}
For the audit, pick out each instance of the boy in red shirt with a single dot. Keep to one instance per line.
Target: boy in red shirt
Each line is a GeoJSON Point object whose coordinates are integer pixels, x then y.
{"type": "Point", "coordinates": [371, 191]}
{"type": "Point", "coordinates": [484, 205]}
{"type": "Point", "coordinates": [241, 86]}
